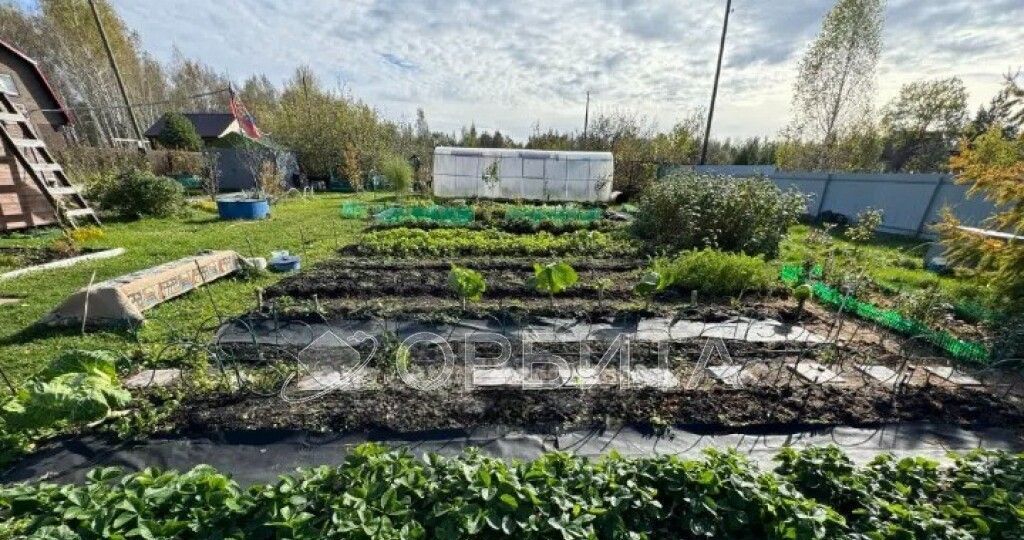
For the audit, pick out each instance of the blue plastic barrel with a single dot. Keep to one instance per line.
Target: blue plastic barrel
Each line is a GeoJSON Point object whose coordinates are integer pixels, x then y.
{"type": "Point", "coordinates": [232, 208]}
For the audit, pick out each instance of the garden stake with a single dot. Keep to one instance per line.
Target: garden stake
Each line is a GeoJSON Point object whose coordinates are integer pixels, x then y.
{"type": "Point", "coordinates": [252, 252]}
{"type": "Point", "coordinates": [85, 306]}
{"type": "Point", "coordinates": [209, 293]}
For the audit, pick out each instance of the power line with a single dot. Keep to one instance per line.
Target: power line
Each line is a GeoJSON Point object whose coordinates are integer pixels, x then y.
{"type": "Point", "coordinates": [148, 104]}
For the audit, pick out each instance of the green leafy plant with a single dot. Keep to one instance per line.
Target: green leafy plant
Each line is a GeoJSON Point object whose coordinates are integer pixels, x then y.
{"type": "Point", "coordinates": [658, 278]}
{"type": "Point", "coordinates": [697, 211]}
{"type": "Point", "coordinates": [717, 273]}
{"type": "Point", "coordinates": [801, 293]}
{"type": "Point", "coordinates": [865, 226]}
{"type": "Point", "coordinates": [405, 242]}
{"type": "Point", "coordinates": [553, 278]}
{"type": "Point", "coordinates": [603, 285]}
{"type": "Point", "coordinates": [77, 387]}
{"type": "Point", "coordinates": [377, 493]}
{"type": "Point", "coordinates": [467, 284]}
{"type": "Point", "coordinates": [135, 193]}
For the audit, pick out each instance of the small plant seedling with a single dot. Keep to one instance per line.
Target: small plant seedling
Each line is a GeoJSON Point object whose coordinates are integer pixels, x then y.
{"type": "Point", "coordinates": [602, 285]}
{"type": "Point", "coordinates": [553, 278]}
{"type": "Point", "coordinates": [468, 284]}
{"type": "Point", "coordinates": [801, 292]}
{"type": "Point", "coordinates": [651, 283]}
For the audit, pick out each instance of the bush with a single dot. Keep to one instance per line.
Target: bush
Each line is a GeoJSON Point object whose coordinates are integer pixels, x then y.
{"type": "Point", "coordinates": [692, 211]}
{"type": "Point", "coordinates": [718, 273]}
{"type": "Point", "coordinates": [179, 133]}
{"type": "Point", "coordinates": [134, 194]}
{"type": "Point", "coordinates": [398, 173]}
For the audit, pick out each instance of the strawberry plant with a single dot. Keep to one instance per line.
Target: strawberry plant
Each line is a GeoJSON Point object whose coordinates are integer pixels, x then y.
{"type": "Point", "coordinates": [814, 493]}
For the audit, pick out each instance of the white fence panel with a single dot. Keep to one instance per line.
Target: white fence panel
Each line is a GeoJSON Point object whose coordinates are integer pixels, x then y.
{"type": "Point", "coordinates": [911, 202]}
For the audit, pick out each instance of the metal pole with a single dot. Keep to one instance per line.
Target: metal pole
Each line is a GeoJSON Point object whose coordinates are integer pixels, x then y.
{"type": "Point", "coordinates": [117, 72]}
{"type": "Point", "coordinates": [586, 118]}
{"type": "Point", "coordinates": [714, 89]}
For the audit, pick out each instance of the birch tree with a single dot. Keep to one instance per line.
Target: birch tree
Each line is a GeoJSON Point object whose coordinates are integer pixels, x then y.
{"type": "Point", "coordinates": [836, 78]}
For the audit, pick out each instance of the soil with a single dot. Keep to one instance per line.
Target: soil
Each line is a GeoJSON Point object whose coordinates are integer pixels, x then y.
{"type": "Point", "coordinates": [409, 289]}
{"type": "Point", "coordinates": [353, 278]}
{"type": "Point", "coordinates": [405, 409]}
{"type": "Point", "coordinates": [26, 256]}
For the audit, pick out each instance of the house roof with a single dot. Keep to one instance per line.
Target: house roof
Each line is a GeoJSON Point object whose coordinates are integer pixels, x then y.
{"type": "Point", "coordinates": [46, 83]}
{"type": "Point", "coordinates": [209, 125]}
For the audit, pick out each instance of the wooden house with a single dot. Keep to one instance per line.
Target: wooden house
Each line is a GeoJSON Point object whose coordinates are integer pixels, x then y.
{"type": "Point", "coordinates": [34, 191]}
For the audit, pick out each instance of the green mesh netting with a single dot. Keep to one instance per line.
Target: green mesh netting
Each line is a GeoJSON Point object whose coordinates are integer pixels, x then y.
{"type": "Point", "coordinates": [956, 348]}
{"type": "Point", "coordinates": [458, 215]}
{"type": "Point", "coordinates": [552, 213]}
{"type": "Point", "coordinates": [353, 210]}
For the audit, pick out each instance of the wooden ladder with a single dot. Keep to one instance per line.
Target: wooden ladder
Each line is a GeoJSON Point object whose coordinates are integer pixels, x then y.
{"type": "Point", "coordinates": [68, 203]}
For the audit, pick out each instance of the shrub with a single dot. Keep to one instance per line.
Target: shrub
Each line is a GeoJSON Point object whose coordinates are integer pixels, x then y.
{"type": "Point", "coordinates": [398, 173]}
{"type": "Point", "coordinates": [692, 211]}
{"type": "Point", "coordinates": [179, 133]}
{"type": "Point", "coordinates": [134, 194]}
{"type": "Point", "coordinates": [718, 273]}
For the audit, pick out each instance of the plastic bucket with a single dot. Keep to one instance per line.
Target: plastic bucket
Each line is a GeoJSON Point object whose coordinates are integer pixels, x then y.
{"type": "Point", "coordinates": [234, 208]}
{"type": "Point", "coordinates": [284, 263]}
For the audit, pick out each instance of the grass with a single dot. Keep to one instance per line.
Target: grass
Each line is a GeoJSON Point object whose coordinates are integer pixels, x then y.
{"type": "Point", "coordinates": [893, 263]}
{"type": "Point", "coordinates": [24, 348]}
{"type": "Point", "coordinates": [310, 227]}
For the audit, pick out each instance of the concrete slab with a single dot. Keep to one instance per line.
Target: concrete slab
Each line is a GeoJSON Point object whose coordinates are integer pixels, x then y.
{"type": "Point", "coordinates": [816, 373]}
{"type": "Point", "coordinates": [883, 374]}
{"type": "Point", "coordinates": [490, 377]}
{"type": "Point", "coordinates": [653, 377]}
{"type": "Point", "coordinates": [153, 378]}
{"type": "Point", "coordinates": [952, 375]}
{"type": "Point", "coordinates": [338, 380]}
{"type": "Point", "coordinates": [730, 374]}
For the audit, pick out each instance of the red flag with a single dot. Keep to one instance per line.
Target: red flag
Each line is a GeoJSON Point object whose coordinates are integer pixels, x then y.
{"type": "Point", "coordinates": [245, 120]}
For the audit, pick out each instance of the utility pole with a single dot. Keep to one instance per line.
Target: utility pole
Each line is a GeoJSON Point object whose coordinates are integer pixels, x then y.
{"type": "Point", "coordinates": [586, 117]}
{"type": "Point", "coordinates": [714, 89]}
{"type": "Point", "coordinates": [117, 72]}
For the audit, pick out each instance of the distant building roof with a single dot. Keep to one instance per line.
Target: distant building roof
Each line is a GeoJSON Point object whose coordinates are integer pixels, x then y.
{"type": "Point", "coordinates": [46, 83]}
{"type": "Point", "coordinates": [209, 125]}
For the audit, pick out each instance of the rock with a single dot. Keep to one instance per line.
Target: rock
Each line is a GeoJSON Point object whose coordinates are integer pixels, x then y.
{"type": "Point", "coordinates": [256, 263]}
{"type": "Point", "coordinates": [153, 378]}
{"type": "Point", "coordinates": [935, 259]}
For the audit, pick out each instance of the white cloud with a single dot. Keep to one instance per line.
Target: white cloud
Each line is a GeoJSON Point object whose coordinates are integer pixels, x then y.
{"type": "Point", "coordinates": [510, 64]}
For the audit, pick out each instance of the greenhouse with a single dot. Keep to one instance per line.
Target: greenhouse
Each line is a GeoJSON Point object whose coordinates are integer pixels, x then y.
{"type": "Point", "coordinates": [540, 175]}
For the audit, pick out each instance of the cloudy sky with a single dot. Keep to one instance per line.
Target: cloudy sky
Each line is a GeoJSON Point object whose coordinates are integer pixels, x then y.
{"type": "Point", "coordinates": [510, 64]}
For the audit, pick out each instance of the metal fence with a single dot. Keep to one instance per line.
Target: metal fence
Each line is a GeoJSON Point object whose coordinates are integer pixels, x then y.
{"type": "Point", "coordinates": [911, 202]}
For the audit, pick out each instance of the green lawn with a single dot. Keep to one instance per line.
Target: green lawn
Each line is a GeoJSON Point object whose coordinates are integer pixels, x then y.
{"type": "Point", "coordinates": [23, 348]}
{"type": "Point", "coordinates": [894, 264]}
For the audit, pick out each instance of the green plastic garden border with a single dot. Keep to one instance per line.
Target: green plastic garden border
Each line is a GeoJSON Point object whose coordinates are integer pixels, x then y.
{"type": "Point", "coordinates": [965, 351]}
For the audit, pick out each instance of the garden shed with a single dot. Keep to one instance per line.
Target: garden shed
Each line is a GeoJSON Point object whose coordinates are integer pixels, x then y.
{"type": "Point", "coordinates": [540, 175]}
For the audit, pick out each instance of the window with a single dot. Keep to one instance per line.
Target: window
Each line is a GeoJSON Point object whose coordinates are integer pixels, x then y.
{"type": "Point", "coordinates": [7, 84]}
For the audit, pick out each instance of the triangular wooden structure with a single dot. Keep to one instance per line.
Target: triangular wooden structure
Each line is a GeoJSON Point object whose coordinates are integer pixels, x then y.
{"type": "Point", "coordinates": [36, 191]}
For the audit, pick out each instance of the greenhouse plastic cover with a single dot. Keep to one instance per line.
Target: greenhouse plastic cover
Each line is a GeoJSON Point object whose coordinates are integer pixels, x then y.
{"type": "Point", "coordinates": [539, 175]}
